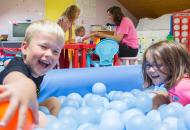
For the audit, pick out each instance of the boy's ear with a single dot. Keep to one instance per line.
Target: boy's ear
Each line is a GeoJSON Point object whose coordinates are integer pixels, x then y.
{"type": "Point", "coordinates": [24, 47]}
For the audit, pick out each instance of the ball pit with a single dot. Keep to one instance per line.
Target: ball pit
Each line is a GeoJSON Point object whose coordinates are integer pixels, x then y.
{"type": "Point", "coordinates": [102, 108]}
{"type": "Point", "coordinates": [97, 112]}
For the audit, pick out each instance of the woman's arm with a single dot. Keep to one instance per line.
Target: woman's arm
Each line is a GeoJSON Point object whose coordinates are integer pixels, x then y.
{"type": "Point", "coordinates": [21, 93]}
{"type": "Point", "coordinates": [89, 36]}
{"type": "Point", "coordinates": [117, 37]}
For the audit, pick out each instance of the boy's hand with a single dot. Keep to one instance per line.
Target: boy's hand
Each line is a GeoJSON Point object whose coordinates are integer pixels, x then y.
{"type": "Point", "coordinates": [20, 97]}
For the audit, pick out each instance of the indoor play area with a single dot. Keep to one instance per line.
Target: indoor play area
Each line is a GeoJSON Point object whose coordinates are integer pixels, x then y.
{"type": "Point", "coordinates": [95, 87]}
{"type": "Point", "coordinates": [105, 98]}
{"type": "Point", "coordinates": [108, 98]}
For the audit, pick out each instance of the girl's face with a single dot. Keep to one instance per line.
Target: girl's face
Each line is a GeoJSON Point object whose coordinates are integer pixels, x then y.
{"type": "Point", "coordinates": [42, 53]}
{"type": "Point", "coordinates": [110, 17]}
{"type": "Point", "coordinates": [157, 72]}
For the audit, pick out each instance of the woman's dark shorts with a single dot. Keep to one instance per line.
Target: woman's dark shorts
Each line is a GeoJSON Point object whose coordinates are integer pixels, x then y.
{"type": "Point", "coordinates": [126, 51]}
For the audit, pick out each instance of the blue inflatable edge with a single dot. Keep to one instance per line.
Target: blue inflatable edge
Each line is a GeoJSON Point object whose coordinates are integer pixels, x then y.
{"type": "Point", "coordinates": [61, 82]}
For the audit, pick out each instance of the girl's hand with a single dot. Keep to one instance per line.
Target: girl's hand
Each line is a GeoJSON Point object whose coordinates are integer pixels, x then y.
{"type": "Point", "coordinates": [160, 98]}
{"type": "Point", "coordinates": [61, 23]}
{"type": "Point", "coordinates": [20, 97]}
{"type": "Point", "coordinates": [164, 93]}
{"type": "Point", "coordinates": [64, 23]}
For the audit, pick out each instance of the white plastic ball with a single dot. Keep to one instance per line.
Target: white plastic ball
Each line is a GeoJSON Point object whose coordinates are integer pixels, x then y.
{"type": "Point", "coordinates": [99, 89]}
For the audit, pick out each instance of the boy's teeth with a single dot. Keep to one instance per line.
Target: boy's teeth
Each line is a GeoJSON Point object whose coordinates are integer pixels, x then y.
{"type": "Point", "coordinates": [45, 62]}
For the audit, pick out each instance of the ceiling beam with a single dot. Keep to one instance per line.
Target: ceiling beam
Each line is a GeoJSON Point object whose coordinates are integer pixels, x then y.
{"type": "Point", "coordinates": [154, 8]}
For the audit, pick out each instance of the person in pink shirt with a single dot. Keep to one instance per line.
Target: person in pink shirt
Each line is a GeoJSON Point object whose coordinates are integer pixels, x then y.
{"type": "Point", "coordinates": [180, 92]}
{"type": "Point", "coordinates": [125, 33]}
{"type": "Point", "coordinates": [169, 64]}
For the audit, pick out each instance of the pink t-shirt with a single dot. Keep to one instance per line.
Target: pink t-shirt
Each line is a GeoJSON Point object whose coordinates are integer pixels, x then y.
{"type": "Point", "coordinates": [181, 92]}
{"type": "Point", "coordinates": [127, 28]}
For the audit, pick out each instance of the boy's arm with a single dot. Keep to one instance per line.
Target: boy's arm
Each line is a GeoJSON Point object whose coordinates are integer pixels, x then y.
{"type": "Point", "coordinates": [21, 93]}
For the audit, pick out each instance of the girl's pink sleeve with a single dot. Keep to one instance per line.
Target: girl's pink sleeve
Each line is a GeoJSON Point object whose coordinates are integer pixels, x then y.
{"type": "Point", "coordinates": [186, 93]}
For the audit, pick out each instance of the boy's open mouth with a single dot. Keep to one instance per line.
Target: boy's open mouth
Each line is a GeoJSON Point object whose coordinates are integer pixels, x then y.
{"type": "Point", "coordinates": [44, 64]}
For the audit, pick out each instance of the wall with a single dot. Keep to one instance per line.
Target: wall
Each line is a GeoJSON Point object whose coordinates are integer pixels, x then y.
{"type": "Point", "coordinates": [19, 10]}
{"type": "Point", "coordinates": [92, 11]}
{"type": "Point", "coordinates": [22, 10]}
{"type": "Point", "coordinates": [149, 37]}
{"type": "Point", "coordinates": [151, 31]}
{"type": "Point", "coordinates": [100, 17]}
{"type": "Point", "coordinates": [54, 8]}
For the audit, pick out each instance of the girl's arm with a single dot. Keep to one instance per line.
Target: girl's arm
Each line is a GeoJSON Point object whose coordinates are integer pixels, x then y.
{"type": "Point", "coordinates": [21, 93]}
{"type": "Point", "coordinates": [62, 23]}
{"type": "Point", "coordinates": [160, 98]}
{"type": "Point", "coordinates": [70, 34]}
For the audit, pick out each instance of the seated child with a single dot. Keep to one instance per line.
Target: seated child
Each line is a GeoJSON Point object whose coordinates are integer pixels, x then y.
{"type": "Point", "coordinates": [22, 77]}
{"type": "Point", "coordinates": [80, 34]}
{"type": "Point", "coordinates": [81, 38]}
{"type": "Point", "coordinates": [168, 64]}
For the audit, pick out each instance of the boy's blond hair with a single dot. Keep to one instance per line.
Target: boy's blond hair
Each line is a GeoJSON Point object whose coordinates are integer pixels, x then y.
{"type": "Point", "coordinates": [44, 26]}
{"type": "Point", "coordinates": [78, 29]}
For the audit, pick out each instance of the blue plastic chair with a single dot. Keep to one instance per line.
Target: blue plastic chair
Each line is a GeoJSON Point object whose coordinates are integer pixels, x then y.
{"type": "Point", "coordinates": [105, 49]}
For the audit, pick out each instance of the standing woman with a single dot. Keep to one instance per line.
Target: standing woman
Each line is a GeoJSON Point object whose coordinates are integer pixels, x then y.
{"type": "Point", "coordinates": [125, 33]}
{"type": "Point", "coordinates": [67, 21]}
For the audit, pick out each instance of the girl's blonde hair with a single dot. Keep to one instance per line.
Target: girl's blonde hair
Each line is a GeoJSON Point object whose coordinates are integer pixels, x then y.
{"type": "Point", "coordinates": [174, 56]}
{"type": "Point", "coordinates": [44, 26]}
{"type": "Point", "coordinates": [71, 12]}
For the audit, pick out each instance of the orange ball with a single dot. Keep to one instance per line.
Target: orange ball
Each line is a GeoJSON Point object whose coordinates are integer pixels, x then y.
{"type": "Point", "coordinates": [12, 124]}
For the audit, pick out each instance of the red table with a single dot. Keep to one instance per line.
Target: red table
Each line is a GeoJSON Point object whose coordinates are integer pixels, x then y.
{"type": "Point", "coordinates": [85, 48]}
{"type": "Point", "coordinates": [64, 57]}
